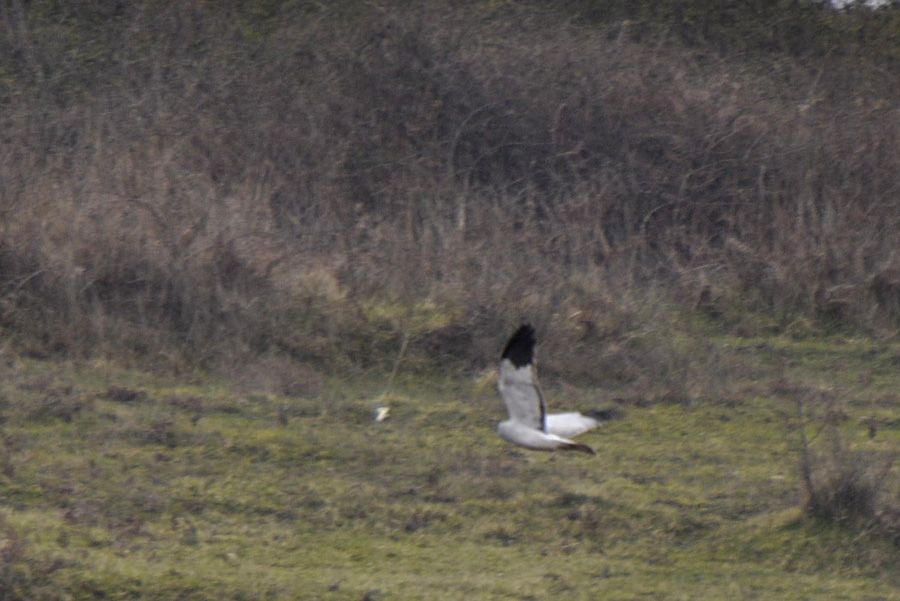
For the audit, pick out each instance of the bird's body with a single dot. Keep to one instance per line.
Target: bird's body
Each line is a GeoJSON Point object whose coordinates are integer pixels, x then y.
{"type": "Point", "coordinates": [529, 424]}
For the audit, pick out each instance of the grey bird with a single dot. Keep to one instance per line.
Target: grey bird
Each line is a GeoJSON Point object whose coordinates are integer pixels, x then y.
{"type": "Point", "coordinates": [529, 424]}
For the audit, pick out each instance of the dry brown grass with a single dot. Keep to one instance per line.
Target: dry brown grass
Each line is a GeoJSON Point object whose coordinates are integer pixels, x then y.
{"type": "Point", "coordinates": [844, 485]}
{"type": "Point", "coordinates": [211, 185]}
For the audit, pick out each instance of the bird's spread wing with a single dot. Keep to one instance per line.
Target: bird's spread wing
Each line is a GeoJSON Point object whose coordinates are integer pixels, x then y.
{"type": "Point", "coordinates": [523, 398]}
{"type": "Point", "coordinates": [518, 384]}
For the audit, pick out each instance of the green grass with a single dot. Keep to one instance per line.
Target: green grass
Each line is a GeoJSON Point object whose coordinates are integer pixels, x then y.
{"type": "Point", "coordinates": [192, 490]}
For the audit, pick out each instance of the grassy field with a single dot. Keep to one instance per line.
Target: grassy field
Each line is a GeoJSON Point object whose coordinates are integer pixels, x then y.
{"type": "Point", "coordinates": [230, 230]}
{"type": "Point", "coordinates": [120, 484]}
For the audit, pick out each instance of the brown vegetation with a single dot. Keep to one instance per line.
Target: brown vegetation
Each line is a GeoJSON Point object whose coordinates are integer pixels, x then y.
{"type": "Point", "coordinates": [199, 182]}
{"type": "Point", "coordinates": [843, 485]}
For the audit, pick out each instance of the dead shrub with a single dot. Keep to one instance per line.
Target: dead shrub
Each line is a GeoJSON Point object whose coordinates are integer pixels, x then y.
{"type": "Point", "coordinates": [280, 375]}
{"type": "Point", "coordinates": [841, 485]}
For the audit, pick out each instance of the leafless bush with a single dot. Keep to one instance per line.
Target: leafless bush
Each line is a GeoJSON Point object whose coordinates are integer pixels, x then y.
{"type": "Point", "coordinates": [335, 184]}
{"type": "Point", "coordinates": [843, 485]}
{"type": "Point", "coordinates": [279, 375]}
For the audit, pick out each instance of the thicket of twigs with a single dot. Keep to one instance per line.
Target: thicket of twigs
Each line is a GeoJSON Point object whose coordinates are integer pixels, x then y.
{"type": "Point", "coordinates": [209, 180]}
{"type": "Point", "coordinates": [843, 485]}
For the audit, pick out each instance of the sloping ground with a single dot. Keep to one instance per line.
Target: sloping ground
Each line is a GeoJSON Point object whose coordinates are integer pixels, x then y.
{"type": "Point", "coordinates": [215, 181]}
{"type": "Point", "coordinates": [118, 484]}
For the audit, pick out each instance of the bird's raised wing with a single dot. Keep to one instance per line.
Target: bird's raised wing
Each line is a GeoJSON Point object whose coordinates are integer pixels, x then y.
{"type": "Point", "coordinates": [518, 383]}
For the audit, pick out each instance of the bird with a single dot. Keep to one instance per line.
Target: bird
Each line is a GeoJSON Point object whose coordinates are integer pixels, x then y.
{"type": "Point", "coordinates": [529, 424]}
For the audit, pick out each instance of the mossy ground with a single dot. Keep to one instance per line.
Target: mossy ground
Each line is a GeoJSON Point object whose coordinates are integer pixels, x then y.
{"type": "Point", "coordinates": [118, 484]}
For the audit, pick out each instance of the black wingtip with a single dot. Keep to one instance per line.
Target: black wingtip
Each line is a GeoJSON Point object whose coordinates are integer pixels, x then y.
{"type": "Point", "coordinates": [520, 348]}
